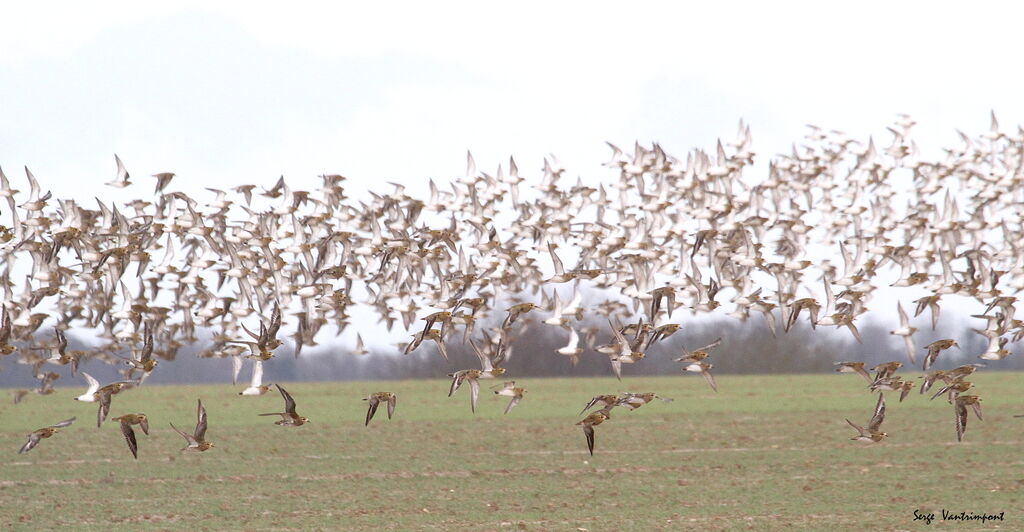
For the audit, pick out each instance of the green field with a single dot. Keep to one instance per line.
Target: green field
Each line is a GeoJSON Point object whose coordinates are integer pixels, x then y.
{"type": "Point", "coordinates": [767, 452]}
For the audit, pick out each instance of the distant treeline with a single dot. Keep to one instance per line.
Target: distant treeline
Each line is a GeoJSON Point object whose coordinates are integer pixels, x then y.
{"type": "Point", "coordinates": [747, 347]}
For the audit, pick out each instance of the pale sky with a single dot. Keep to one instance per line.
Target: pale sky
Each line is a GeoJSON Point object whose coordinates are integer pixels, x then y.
{"type": "Point", "coordinates": [233, 92]}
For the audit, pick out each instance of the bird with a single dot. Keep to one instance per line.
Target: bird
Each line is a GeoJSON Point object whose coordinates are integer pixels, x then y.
{"type": "Point", "coordinates": [121, 180]}
{"type": "Point", "coordinates": [906, 332]}
{"type": "Point", "coordinates": [197, 440]}
{"type": "Point", "coordinates": [509, 389]}
{"type": "Point", "coordinates": [697, 355]}
{"type": "Point", "coordinates": [930, 378]}
{"type": "Point", "coordinates": [605, 401]}
{"type": "Point", "coordinates": [854, 367]}
{"type": "Point", "coordinates": [960, 413]}
{"type": "Point", "coordinates": [622, 352]}
{"type": "Point", "coordinates": [704, 369]}
{"type": "Point", "coordinates": [572, 349]}
{"type": "Point", "coordinates": [143, 360]}
{"type": "Point", "coordinates": [885, 370]}
{"type": "Point", "coordinates": [45, 432]}
{"type": "Point", "coordinates": [105, 395]}
{"type": "Point", "coordinates": [935, 348]}
{"type": "Point", "coordinates": [90, 394]}
{"type": "Point", "coordinates": [256, 386]}
{"type": "Point", "coordinates": [126, 422]}
{"type": "Point", "coordinates": [953, 389]}
{"type": "Point", "coordinates": [289, 418]}
{"type": "Point", "coordinates": [375, 400]}
{"type": "Point", "coordinates": [162, 180]}
{"type": "Point", "coordinates": [360, 347]}
{"type": "Point", "coordinates": [489, 369]}
{"type": "Point", "coordinates": [871, 434]}
{"type": "Point", "coordinates": [60, 355]}
{"type": "Point", "coordinates": [632, 401]}
{"type": "Point", "coordinates": [588, 423]}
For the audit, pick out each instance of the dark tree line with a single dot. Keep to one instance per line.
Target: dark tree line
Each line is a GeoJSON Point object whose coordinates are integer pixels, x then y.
{"type": "Point", "coordinates": [747, 348]}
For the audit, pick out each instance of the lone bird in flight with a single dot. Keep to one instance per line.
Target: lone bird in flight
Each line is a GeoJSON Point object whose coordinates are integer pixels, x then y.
{"type": "Point", "coordinates": [45, 432]}
{"type": "Point", "coordinates": [376, 399]}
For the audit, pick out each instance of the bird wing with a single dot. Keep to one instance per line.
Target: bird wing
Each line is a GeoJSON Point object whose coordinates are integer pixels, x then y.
{"type": "Point", "coordinates": [93, 383]}
{"type": "Point", "coordinates": [456, 382]}
{"type": "Point", "coordinates": [908, 342]}
{"type": "Point", "coordinates": [474, 390]}
{"type": "Point", "coordinates": [485, 361]}
{"type": "Point", "coordinates": [374, 402]}
{"type": "Point", "coordinates": [710, 378]}
{"type": "Point", "coordinates": [574, 339]}
{"type": "Point", "coordinates": [590, 404]}
{"type": "Point", "coordinates": [188, 437]}
{"type": "Point", "coordinates": [441, 348]}
{"type": "Point", "coordinates": [129, 436]}
{"type": "Point", "coordinates": [200, 432]}
{"type": "Point", "coordinates": [961, 420]}
{"type": "Point", "coordinates": [512, 404]}
{"type": "Point", "coordinates": [236, 368]}
{"type": "Point", "coordinates": [879, 415]}
{"type": "Point", "coordinates": [103, 410]}
{"type": "Point", "coordinates": [392, 402]}
{"type": "Point", "coordinates": [589, 432]}
{"type": "Point", "coordinates": [62, 424]}
{"type": "Point", "coordinates": [711, 346]}
{"type": "Point", "coordinates": [257, 374]}
{"type": "Point", "coordinates": [33, 440]}
{"type": "Point", "coordinates": [144, 424]}
{"type": "Point", "coordinates": [289, 403]}
{"type": "Point", "coordinates": [559, 269]}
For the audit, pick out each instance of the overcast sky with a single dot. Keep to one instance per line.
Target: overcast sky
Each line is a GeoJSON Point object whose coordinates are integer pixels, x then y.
{"type": "Point", "coordinates": [229, 93]}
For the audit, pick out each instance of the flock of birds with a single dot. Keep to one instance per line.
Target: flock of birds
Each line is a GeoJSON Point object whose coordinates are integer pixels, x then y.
{"type": "Point", "coordinates": [151, 275]}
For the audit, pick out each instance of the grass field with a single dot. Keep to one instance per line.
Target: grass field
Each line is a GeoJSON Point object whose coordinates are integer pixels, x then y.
{"type": "Point", "coordinates": [766, 453]}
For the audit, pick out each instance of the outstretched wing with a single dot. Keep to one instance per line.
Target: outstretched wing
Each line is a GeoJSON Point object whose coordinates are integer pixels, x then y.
{"type": "Point", "coordinates": [129, 436]}
{"type": "Point", "coordinates": [392, 402]}
{"type": "Point", "coordinates": [374, 403]}
{"type": "Point", "coordinates": [62, 424]}
{"type": "Point", "coordinates": [961, 420]}
{"type": "Point", "coordinates": [485, 361]}
{"type": "Point", "coordinates": [710, 378]}
{"type": "Point", "coordinates": [289, 403]}
{"type": "Point", "coordinates": [456, 382]}
{"type": "Point", "coordinates": [879, 416]}
{"type": "Point", "coordinates": [589, 432]}
{"type": "Point", "coordinates": [33, 440]}
{"type": "Point", "coordinates": [103, 410]}
{"type": "Point", "coordinates": [200, 433]}
{"type": "Point", "coordinates": [591, 404]}
{"type": "Point", "coordinates": [474, 390]}
{"type": "Point", "coordinates": [512, 404]}
{"type": "Point", "coordinates": [257, 374]}
{"type": "Point", "coordinates": [711, 346]}
{"type": "Point", "coordinates": [188, 437]}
